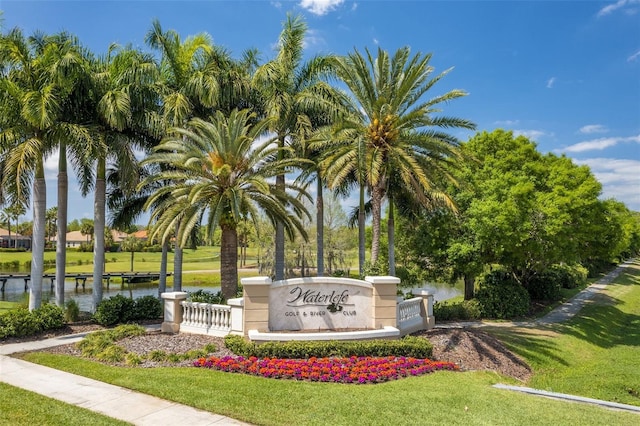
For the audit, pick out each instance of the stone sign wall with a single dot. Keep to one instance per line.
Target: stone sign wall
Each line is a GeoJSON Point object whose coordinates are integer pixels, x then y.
{"type": "Point", "coordinates": [327, 304]}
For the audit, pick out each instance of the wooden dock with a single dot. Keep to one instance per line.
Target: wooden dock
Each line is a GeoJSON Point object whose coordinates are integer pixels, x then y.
{"type": "Point", "coordinates": [81, 279]}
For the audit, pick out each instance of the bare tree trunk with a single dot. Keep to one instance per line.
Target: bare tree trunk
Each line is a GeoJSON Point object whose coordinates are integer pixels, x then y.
{"type": "Point", "coordinates": [320, 228]}
{"type": "Point", "coordinates": [391, 237]}
{"type": "Point", "coordinates": [229, 262]}
{"type": "Point", "coordinates": [361, 233]}
{"type": "Point", "coordinates": [98, 232]}
{"type": "Point", "coordinates": [376, 211]}
{"type": "Point", "coordinates": [469, 284]}
{"type": "Point", "coordinates": [177, 264]}
{"type": "Point", "coordinates": [37, 248]}
{"type": "Point", "coordinates": [61, 243]}
{"type": "Point", "coordinates": [162, 284]}
{"type": "Point", "coordinates": [279, 255]}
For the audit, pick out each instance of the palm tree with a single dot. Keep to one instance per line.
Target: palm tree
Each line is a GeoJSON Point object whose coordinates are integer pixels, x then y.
{"type": "Point", "coordinates": [293, 94]}
{"type": "Point", "coordinates": [189, 88]}
{"type": "Point", "coordinates": [124, 117]}
{"type": "Point", "coordinates": [220, 174]}
{"type": "Point", "coordinates": [37, 81]}
{"type": "Point", "coordinates": [402, 139]}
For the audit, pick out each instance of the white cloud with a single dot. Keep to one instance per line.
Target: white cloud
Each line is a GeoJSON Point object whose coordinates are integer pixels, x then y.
{"type": "Point", "coordinates": [551, 82]}
{"type": "Point", "coordinates": [507, 122]}
{"type": "Point", "coordinates": [620, 4]}
{"type": "Point", "coordinates": [619, 178]}
{"type": "Point", "coordinates": [593, 128]}
{"type": "Point", "coordinates": [320, 7]}
{"type": "Point", "coordinates": [375, 41]}
{"type": "Point", "coordinates": [599, 144]}
{"type": "Point", "coordinates": [634, 57]}
{"type": "Point", "coordinates": [312, 38]}
{"type": "Point", "coordinates": [530, 134]}
{"type": "Point", "coordinates": [276, 4]}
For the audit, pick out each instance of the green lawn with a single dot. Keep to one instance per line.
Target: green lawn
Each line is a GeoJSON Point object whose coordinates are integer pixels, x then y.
{"type": "Point", "coordinates": [6, 306]}
{"type": "Point", "coordinates": [20, 407]}
{"type": "Point", "coordinates": [440, 398]}
{"type": "Point", "coordinates": [597, 354]}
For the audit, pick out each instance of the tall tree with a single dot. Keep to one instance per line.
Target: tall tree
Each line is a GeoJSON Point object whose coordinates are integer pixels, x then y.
{"type": "Point", "coordinates": [402, 137]}
{"type": "Point", "coordinates": [293, 93]}
{"type": "Point", "coordinates": [220, 174]}
{"type": "Point", "coordinates": [188, 86]}
{"type": "Point", "coordinates": [35, 86]}
{"type": "Point", "coordinates": [124, 118]}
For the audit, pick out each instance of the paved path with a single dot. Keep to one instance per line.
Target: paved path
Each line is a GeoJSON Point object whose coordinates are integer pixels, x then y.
{"type": "Point", "coordinates": [560, 314]}
{"type": "Point", "coordinates": [113, 401]}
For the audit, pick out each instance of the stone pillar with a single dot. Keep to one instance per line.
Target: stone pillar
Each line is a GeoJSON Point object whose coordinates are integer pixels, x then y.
{"type": "Point", "coordinates": [237, 320]}
{"type": "Point", "coordinates": [426, 310]}
{"type": "Point", "coordinates": [172, 311]}
{"type": "Point", "coordinates": [384, 301]}
{"type": "Point", "coordinates": [256, 303]}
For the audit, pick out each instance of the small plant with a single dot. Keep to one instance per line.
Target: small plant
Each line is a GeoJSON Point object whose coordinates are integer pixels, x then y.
{"type": "Point", "coordinates": [203, 296]}
{"type": "Point", "coordinates": [71, 311]}
{"type": "Point", "coordinates": [114, 310]}
{"type": "Point", "coordinates": [132, 359]}
{"type": "Point", "coordinates": [147, 308]}
{"type": "Point", "coordinates": [458, 311]}
{"type": "Point", "coordinates": [49, 317]}
{"type": "Point", "coordinates": [357, 370]}
{"type": "Point", "coordinates": [409, 346]}
{"type": "Point", "coordinates": [157, 355]}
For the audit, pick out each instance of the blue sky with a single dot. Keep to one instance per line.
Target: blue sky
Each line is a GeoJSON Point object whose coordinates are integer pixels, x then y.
{"type": "Point", "coordinates": [564, 73]}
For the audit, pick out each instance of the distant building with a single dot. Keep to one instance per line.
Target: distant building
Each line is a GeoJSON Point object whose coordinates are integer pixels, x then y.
{"type": "Point", "coordinates": [9, 241]}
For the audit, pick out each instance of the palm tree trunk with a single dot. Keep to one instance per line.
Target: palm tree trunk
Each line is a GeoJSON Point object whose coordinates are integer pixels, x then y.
{"type": "Point", "coordinates": [229, 261]}
{"type": "Point", "coordinates": [361, 233]}
{"type": "Point", "coordinates": [98, 229]}
{"type": "Point", "coordinates": [320, 228]}
{"type": "Point", "coordinates": [376, 210]}
{"type": "Point", "coordinates": [61, 243]}
{"type": "Point", "coordinates": [177, 263]}
{"type": "Point", "coordinates": [279, 260]}
{"type": "Point", "coordinates": [37, 247]}
{"type": "Point", "coordinates": [162, 284]}
{"type": "Point", "coordinates": [391, 237]}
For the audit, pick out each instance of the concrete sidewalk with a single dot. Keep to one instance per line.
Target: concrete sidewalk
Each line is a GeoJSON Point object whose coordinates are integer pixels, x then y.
{"type": "Point", "coordinates": [113, 401]}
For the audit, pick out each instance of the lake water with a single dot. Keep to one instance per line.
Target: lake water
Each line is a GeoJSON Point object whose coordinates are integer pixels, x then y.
{"type": "Point", "coordinates": [14, 291]}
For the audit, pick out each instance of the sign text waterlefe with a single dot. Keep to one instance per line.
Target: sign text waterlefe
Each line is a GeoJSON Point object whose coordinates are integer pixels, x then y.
{"type": "Point", "coordinates": [296, 305]}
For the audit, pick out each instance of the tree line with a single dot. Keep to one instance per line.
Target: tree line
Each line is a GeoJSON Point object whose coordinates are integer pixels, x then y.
{"type": "Point", "coordinates": [229, 140]}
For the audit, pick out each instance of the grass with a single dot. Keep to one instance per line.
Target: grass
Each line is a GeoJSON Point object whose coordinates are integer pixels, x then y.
{"type": "Point", "coordinates": [438, 398]}
{"type": "Point", "coordinates": [20, 407]}
{"type": "Point", "coordinates": [595, 354]}
{"type": "Point", "coordinates": [7, 306]}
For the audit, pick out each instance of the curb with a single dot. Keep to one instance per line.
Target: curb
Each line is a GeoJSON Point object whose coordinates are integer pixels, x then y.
{"type": "Point", "coordinates": [574, 398]}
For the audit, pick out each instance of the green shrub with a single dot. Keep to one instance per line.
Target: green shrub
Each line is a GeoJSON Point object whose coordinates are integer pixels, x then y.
{"type": "Point", "coordinates": [409, 346]}
{"type": "Point", "coordinates": [458, 311]}
{"type": "Point", "coordinates": [20, 322]}
{"type": "Point", "coordinates": [114, 310]}
{"type": "Point", "coordinates": [203, 296]}
{"type": "Point", "coordinates": [500, 296]}
{"type": "Point", "coordinates": [17, 323]}
{"type": "Point", "coordinates": [71, 311]}
{"type": "Point", "coordinates": [545, 286]}
{"type": "Point", "coordinates": [147, 307]}
{"type": "Point", "coordinates": [95, 344]}
{"type": "Point", "coordinates": [570, 276]}
{"type": "Point", "coordinates": [49, 316]}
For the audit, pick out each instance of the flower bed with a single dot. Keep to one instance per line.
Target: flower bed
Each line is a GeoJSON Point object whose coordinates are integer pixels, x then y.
{"type": "Point", "coordinates": [359, 370]}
